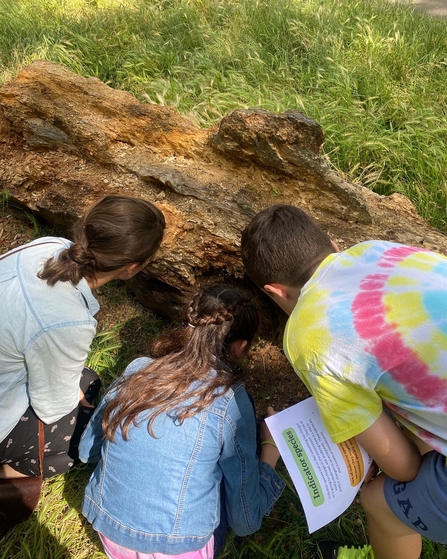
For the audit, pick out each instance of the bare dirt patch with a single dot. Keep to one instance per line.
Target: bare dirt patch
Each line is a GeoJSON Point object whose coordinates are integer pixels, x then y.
{"type": "Point", "coordinates": [271, 380]}
{"type": "Point", "coordinates": [16, 228]}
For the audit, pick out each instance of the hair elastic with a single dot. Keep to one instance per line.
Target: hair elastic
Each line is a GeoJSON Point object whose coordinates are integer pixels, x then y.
{"type": "Point", "coordinates": [72, 258]}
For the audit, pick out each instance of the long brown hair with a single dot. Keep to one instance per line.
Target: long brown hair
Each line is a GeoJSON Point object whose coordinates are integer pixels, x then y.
{"type": "Point", "coordinates": [114, 232]}
{"type": "Point", "coordinates": [180, 379]}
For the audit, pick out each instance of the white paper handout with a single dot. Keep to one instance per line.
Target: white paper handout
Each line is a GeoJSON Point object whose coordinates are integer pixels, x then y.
{"type": "Point", "coordinates": [326, 476]}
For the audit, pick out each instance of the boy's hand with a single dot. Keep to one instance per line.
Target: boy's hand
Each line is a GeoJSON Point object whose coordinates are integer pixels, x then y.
{"type": "Point", "coordinates": [372, 472]}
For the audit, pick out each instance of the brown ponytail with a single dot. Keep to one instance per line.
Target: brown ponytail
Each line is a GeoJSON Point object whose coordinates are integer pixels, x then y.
{"type": "Point", "coordinates": [179, 380]}
{"type": "Point", "coordinates": [116, 231]}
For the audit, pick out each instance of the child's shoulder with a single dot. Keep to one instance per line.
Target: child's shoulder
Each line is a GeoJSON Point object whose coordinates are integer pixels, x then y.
{"type": "Point", "coordinates": [136, 365]}
{"type": "Point", "coordinates": [236, 396]}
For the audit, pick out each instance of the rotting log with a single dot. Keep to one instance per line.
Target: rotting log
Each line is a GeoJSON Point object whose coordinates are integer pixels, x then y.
{"type": "Point", "coordinates": [67, 140]}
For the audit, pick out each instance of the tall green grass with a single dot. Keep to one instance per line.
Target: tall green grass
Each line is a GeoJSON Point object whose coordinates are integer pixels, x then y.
{"type": "Point", "coordinates": [371, 72]}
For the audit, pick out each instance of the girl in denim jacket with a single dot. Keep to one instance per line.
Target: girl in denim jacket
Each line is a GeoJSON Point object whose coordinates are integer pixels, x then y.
{"type": "Point", "coordinates": [175, 437]}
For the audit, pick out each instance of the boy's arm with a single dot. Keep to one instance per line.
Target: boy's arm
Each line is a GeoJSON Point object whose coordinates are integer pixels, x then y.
{"type": "Point", "coordinates": [393, 452]}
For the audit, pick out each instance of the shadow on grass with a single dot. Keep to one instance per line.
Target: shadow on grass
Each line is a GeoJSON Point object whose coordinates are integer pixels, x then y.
{"type": "Point", "coordinates": [73, 493]}
{"type": "Point", "coordinates": [32, 539]}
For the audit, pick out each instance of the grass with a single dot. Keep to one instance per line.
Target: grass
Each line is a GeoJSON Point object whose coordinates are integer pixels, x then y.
{"type": "Point", "coordinates": [371, 73]}
{"type": "Point", "coordinates": [58, 530]}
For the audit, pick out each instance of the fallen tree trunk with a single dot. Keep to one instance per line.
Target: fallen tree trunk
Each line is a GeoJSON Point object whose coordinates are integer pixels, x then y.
{"type": "Point", "coordinates": [67, 140]}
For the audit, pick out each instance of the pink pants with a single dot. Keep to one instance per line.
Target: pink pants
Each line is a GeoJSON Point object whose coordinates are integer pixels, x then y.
{"type": "Point", "coordinates": [115, 551]}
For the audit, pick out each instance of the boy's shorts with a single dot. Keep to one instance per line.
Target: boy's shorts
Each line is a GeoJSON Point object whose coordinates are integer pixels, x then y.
{"type": "Point", "coordinates": [421, 504]}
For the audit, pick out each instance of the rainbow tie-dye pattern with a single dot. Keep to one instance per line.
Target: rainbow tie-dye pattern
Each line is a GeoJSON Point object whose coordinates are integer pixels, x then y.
{"type": "Point", "coordinates": [370, 327]}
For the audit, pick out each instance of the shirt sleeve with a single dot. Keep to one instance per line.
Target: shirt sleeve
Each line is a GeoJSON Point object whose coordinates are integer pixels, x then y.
{"type": "Point", "coordinates": [251, 488]}
{"type": "Point", "coordinates": [54, 362]}
{"type": "Point", "coordinates": [346, 409]}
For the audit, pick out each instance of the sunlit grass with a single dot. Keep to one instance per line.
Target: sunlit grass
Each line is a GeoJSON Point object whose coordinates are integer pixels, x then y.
{"type": "Point", "coordinates": [371, 73]}
{"type": "Point", "coordinates": [57, 530]}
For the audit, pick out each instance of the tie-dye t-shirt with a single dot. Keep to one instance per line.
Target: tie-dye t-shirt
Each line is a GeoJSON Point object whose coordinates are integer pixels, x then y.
{"type": "Point", "coordinates": [370, 328]}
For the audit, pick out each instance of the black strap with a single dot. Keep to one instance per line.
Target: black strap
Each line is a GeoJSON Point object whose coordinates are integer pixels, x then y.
{"type": "Point", "coordinates": [41, 445]}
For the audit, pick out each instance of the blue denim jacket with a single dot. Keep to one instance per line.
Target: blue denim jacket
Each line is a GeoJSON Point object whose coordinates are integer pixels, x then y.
{"type": "Point", "coordinates": [163, 494]}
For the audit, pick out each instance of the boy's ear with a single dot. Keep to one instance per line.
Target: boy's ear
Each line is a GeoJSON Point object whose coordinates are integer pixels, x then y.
{"type": "Point", "coordinates": [278, 290]}
{"type": "Point", "coordinates": [286, 297]}
{"type": "Point", "coordinates": [335, 247]}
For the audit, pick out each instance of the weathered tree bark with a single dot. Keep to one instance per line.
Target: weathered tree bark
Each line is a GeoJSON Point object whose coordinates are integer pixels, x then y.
{"type": "Point", "coordinates": [66, 141]}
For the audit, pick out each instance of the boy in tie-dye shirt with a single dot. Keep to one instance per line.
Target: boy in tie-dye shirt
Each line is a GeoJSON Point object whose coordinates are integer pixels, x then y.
{"type": "Point", "coordinates": [367, 334]}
